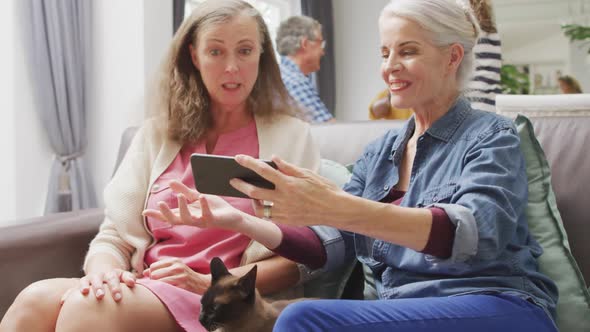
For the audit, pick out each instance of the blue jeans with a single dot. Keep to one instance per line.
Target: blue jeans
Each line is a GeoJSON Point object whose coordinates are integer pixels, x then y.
{"type": "Point", "coordinates": [480, 313]}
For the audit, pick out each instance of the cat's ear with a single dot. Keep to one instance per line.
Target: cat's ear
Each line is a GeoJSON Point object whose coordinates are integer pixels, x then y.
{"type": "Point", "coordinates": [218, 270]}
{"type": "Point", "coordinates": [247, 283]}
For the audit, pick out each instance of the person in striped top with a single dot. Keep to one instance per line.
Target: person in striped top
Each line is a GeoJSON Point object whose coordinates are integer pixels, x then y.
{"type": "Point", "coordinates": [485, 84]}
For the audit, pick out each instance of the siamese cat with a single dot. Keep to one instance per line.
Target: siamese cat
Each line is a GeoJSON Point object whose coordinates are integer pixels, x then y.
{"type": "Point", "coordinates": [232, 304]}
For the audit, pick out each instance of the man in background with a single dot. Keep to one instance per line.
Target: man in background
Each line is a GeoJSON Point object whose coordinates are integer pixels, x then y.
{"type": "Point", "coordinates": [301, 46]}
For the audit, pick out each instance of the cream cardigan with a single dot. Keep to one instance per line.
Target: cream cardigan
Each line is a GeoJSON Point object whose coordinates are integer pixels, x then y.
{"type": "Point", "coordinates": [123, 233]}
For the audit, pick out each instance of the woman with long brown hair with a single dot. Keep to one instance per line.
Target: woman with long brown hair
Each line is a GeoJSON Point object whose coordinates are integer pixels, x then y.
{"type": "Point", "coordinates": [219, 92]}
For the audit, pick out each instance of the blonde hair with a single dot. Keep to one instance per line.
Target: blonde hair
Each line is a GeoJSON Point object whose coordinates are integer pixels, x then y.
{"type": "Point", "coordinates": [449, 22]}
{"type": "Point", "coordinates": [181, 101]}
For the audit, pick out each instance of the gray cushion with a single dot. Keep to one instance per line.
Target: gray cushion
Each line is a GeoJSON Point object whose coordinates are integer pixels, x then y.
{"type": "Point", "coordinates": [566, 142]}
{"type": "Point", "coordinates": [344, 142]}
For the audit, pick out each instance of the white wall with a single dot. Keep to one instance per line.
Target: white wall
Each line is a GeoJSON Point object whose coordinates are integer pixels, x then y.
{"type": "Point", "coordinates": [33, 156]}
{"type": "Point", "coordinates": [116, 81]}
{"type": "Point", "coordinates": [554, 48]}
{"type": "Point", "coordinates": [157, 22]}
{"type": "Point", "coordinates": [579, 64]}
{"type": "Point", "coordinates": [357, 56]}
{"type": "Point", "coordinates": [7, 167]}
{"type": "Point", "coordinates": [130, 37]}
{"type": "Point", "coordinates": [27, 157]}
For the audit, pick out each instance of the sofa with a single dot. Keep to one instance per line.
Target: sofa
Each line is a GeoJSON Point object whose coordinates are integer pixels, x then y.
{"type": "Point", "coordinates": [54, 245]}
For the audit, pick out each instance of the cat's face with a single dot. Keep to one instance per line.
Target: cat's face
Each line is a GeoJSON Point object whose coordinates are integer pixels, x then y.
{"type": "Point", "coordinates": [228, 298]}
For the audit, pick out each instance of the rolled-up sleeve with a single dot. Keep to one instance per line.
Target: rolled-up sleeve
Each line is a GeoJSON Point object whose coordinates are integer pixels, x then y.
{"type": "Point", "coordinates": [491, 196]}
{"type": "Point", "coordinates": [466, 234]}
{"type": "Point", "coordinates": [339, 248]}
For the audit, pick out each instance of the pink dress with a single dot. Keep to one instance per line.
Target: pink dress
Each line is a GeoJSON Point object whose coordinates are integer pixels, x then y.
{"type": "Point", "coordinates": [195, 246]}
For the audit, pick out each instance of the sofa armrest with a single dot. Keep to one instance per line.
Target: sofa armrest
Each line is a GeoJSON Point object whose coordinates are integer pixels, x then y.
{"type": "Point", "coordinates": [44, 247]}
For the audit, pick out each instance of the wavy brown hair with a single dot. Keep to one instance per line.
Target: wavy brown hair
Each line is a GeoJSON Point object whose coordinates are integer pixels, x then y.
{"type": "Point", "coordinates": [181, 100]}
{"type": "Point", "coordinates": [484, 13]}
{"type": "Point", "coordinates": [572, 83]}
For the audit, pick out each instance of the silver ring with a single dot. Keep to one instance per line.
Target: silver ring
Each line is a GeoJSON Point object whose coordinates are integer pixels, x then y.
{"type": "Point", "coordinates": [267, 212]}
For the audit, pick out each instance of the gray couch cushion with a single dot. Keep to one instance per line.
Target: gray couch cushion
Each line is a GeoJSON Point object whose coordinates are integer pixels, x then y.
{"type": "Point", "coordinates": [562, 126]}
{"type": "Point", "coordinates": [44, 247]}
{"type": "Point", "coordinates": [566, 142]}
{"type": "Point", "coordinates": [344, 142]}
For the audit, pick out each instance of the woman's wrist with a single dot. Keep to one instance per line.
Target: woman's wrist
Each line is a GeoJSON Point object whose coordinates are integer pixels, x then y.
{"type": "Point", "coordinates": [101, 263]}
{"type": "Point", "coordinates": [200, 282]}
{"type": "Point", "coordinates": [344, 209]}
{"type": "Point", "coordinates": [244, 225]}
{"type": "Point", "coordinates": [261, 230]}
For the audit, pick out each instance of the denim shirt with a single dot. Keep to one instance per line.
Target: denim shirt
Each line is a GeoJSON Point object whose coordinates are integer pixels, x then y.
{"type": "Point", "coordinates": [469, 164]}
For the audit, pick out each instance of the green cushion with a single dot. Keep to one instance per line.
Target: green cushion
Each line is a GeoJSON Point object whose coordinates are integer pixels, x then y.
{"type": "Point", "coordinates": [557, 262]}
{"type": "Point", "coordinates": [335, 172]}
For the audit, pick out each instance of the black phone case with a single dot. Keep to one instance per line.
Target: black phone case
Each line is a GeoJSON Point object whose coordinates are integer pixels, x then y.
{"type": "Point", "coordinates": [212, 174]}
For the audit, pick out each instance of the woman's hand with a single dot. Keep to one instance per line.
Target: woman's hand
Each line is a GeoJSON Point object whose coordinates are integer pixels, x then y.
{"type": "Point", "coordinates": [196, 209]}
{"type": "Point", "coordinates": [96, 282]}
{"type": "Point", "coordinates": [300, 197]}
{"type": "Point", "coordinates": [175, 272]}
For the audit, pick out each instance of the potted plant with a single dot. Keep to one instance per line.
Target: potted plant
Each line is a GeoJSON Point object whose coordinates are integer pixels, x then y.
{"type": "Point", "coordinates": [576, 32]}
{"type": "Point", "coordinates": [513, 81]}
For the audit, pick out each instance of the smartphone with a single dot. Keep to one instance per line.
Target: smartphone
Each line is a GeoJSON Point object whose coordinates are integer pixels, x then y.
{"type": "Point", "coordinates": [213, 172]}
